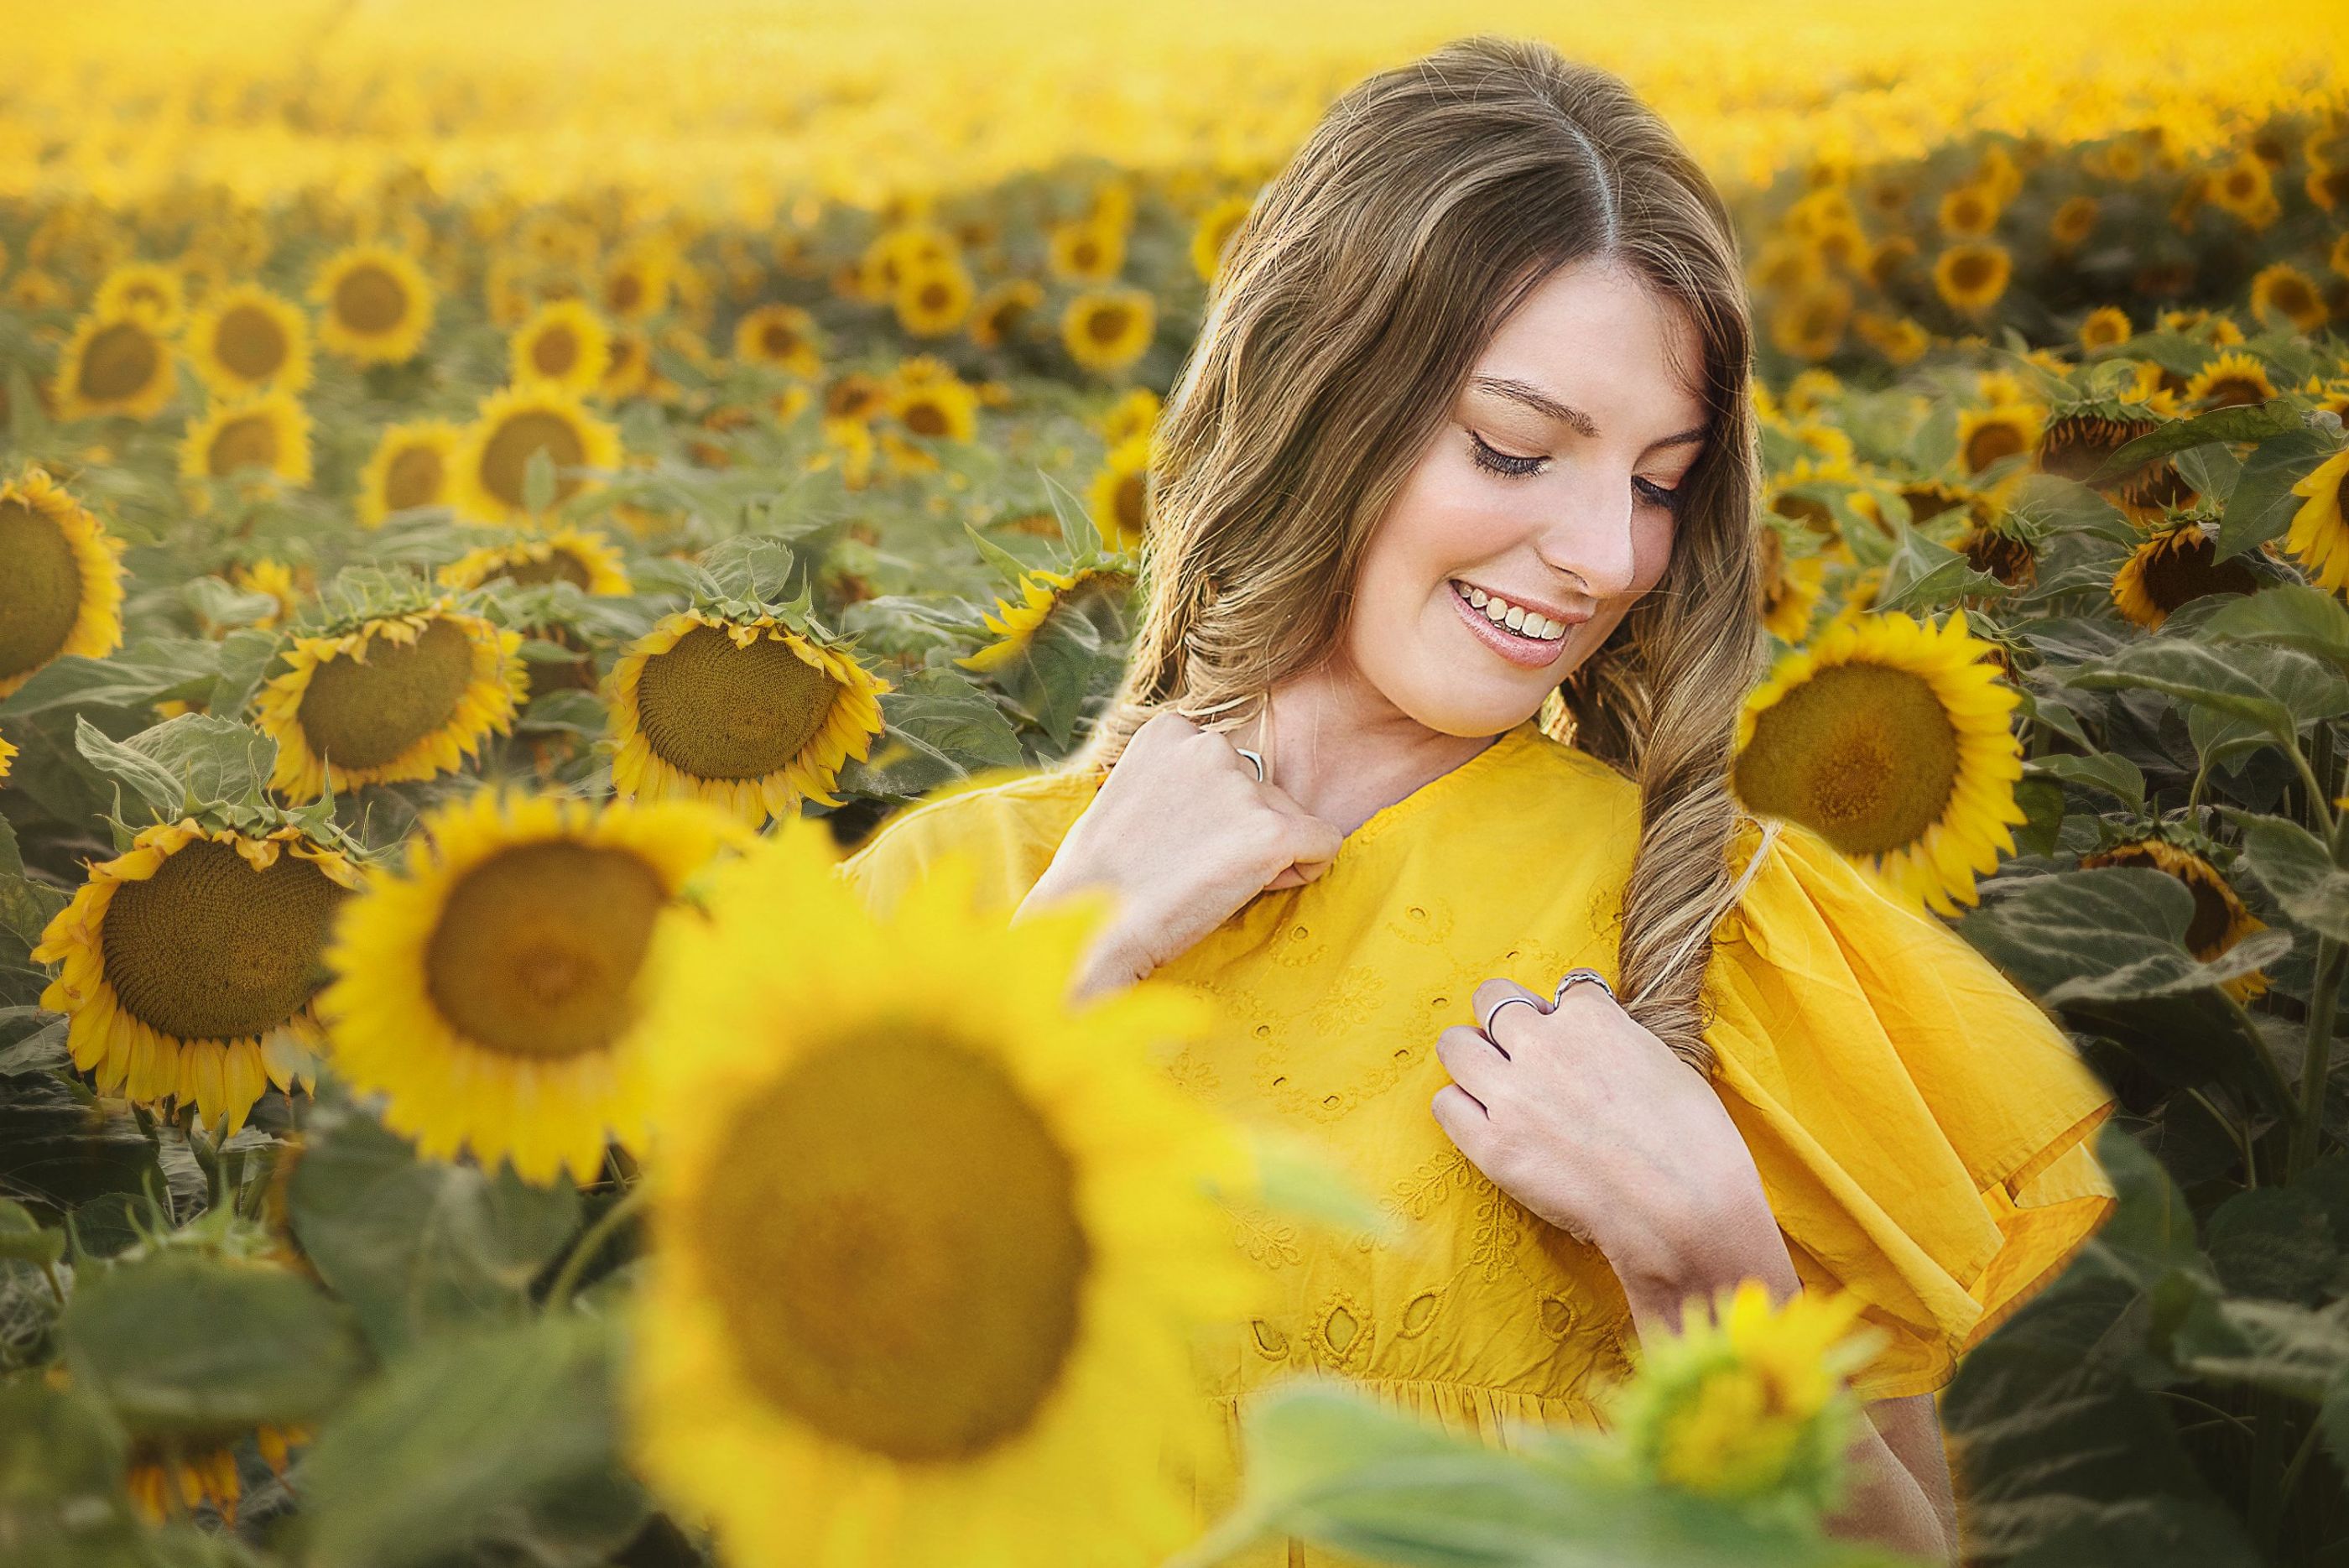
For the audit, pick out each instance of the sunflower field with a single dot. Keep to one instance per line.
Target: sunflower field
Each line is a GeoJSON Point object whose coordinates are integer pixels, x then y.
{"type": "Point", "coordinates": [495, 500]}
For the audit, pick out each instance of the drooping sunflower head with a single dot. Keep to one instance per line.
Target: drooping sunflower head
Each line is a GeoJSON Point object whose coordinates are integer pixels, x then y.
{"type": "Point", "coordinates": [492, 461]}
{"type": "Point", "coordinates": [374, 304]}
{"type": "Point", "coordinates": [2219, 919]}
{"type": "Point", "coordinates": [61, 579]}
{"type": "Point", "coordinates": [1042, 592]}
{"type": "Point", "coordinates": [563, 342]}
{"type": "Point", "coordinates": [412, 466]}
{"type": "Point", "coordinates": [253, 440]}
{"type": "Point", "coordinates": [247, 339]}
{"type": "Point", "coordinates": [201, 1468]}
{"type": "Point", "coordinates": [2229, 381]}
{"type": "Point", "coordinates": [588, 561]}
{"type": "Point", "coordinates": [746, 713]}
{"type": "Point", "coordinates": [2001, 550]}
{"type": "Point", "coordinates": [2081, 433]}
{"type": "Point", "coordinates": [1891, 740]}
{"type": "Point", "coordinates": [487, 988]}
{"type": "Point", "coordinates": [782, 336]}
{"type": "Point", "coordinates": [2175, 565]}
{"type": "Point", "coordinates": [1108, 329]}
{"type": "Point", "coordinates": [113, 365]}
{"type": "Point", "coordinates": [1790, 586]}
{"type": "Point", "coordinates": [929, 1247]}
{"type": "Point", "coordinates": [187, 964]}
{"type": "Point", "coordinates": [146, 289]}
{"type": "Point", "coordinates": [388, 699]}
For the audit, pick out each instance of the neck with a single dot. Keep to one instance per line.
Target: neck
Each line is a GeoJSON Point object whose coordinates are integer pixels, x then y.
{"type": "Point", "coordinates": [1344, 752]}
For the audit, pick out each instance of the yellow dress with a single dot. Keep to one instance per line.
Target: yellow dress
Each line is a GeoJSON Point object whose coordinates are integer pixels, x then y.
{"type": "Point", "coordinates": [1921, 1127]}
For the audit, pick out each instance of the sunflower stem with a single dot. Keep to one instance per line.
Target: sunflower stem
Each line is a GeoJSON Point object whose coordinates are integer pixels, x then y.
{"type": "Point", "coordinates": [2320, 805]}
{"type": "Point", "coordinates": [591, 1241]}
{"type": "Point", "coordinates": [2317, 1066]}
{"type": "Point", "coordinates": [2278, 1087]}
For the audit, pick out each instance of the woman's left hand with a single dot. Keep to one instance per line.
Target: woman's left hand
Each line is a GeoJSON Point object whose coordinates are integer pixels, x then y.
{"type": "Point", "coordinates": [1589, 1121]}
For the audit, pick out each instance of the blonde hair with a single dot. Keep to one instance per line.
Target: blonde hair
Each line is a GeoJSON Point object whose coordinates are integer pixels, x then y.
{"type": "Point", "coordinates": [1427, 204]}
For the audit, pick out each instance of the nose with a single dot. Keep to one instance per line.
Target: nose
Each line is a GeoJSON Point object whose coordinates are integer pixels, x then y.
{"type": "Point", "coordinates": [1591, 538]}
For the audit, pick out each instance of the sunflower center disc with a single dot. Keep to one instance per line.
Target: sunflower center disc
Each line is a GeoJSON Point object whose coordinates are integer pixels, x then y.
{"type": "Point", "coordinates": [713, 710]}
{"type": "Point", "coordinates": [779, 341]}
{"type": "Point", "coordinates": [370, 299]}
{"type": "Point", "coordinates": [210, 948]}
{"type": "Point", "coordinates": [554, 351]}
{"type": "Point", "coordinates": [926, 420]}
{"type": "Point", "coordinates": [40, 589]}
{"type": "Point", "coordinates": [1132, 504]}
{"type": "Point", "coordinates": [1107, 326]}
{"type": "Point", "coordinates": [507, 455]}
{"type": "Point", "coordinates": [248, 441]}
{"type": "Point", "coordinates": [359, 715]}
{"type": "Point", "coordinates": [1862, 753]}
{"type": "Point", "coordinates": [1991, 442]}
{"type": "Point", "coordinates": [2185, 571]}
{"type": "Point", "coordinates": [537, 946]}
{"type": "Point", "coordinates": [413, 479]}
{"type": "Point", "coordinates": [120, 359]}
{"type": "Point", "coordinates": [558, 567]}
{"type": "Point", "coordinates": [251, 343]}
{"type": "Point", "coordinates": [898, 1258]}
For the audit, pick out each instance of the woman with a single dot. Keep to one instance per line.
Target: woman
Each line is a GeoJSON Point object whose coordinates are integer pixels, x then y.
{"type": "Point", "coordinates": [1466, 425]}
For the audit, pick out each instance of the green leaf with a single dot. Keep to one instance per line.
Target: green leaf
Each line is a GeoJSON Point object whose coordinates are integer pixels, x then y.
{"type": "Point", "coordinates": [165, 796]}
{"type": "Point", "coordinates": [2289, 615]}
{"type": "Point", "coordinates": [2263, 503]}
{"type": "Point", "coordinates": [57, 1150]}
{"type": "Point", "coordinates": [2291, 862]}
{"type": "Point", "coordinates": [218, 762]}
{"type": "Point", "coordinates": [194, 1345]}
{"type": "Point", "coordinates": [415, 1244]}
{"type": "Point", "coordinates": [24, 1238]}
{"type": "Point", "coordinates": [1924, 575]}
{"type": "Point", "coordinates": [62, 1503]}
{"type": "Point", "coordinates": [138, 676]}
{"type": "Point", "coordinates": [2111, 934]}
{"type": "Point", "coordinates": [936, 728]}
{"type": "Point", "coordinates": [2246, 423]}
{"type": "Point", "coordinates": [2272, 1345]}
{"type": "Point", "coordinates": [2278, 689]}
{"type": "Point", "coordinates": [750, 566]}
{"type": "Point", "coordinates": [2115, 775]}
{"type": "Point", "coordinates": [492, 1446]}
{"type": "Point", "coordinates": [223, 604]}
{"type": "Point", "coordinates": [2272, 1243]}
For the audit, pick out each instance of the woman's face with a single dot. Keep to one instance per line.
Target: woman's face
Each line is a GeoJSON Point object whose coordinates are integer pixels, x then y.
{"type": "Point", "coordinates": [1550, 484]}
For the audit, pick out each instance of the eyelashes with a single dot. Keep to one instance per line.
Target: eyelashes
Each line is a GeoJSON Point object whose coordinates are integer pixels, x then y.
{"type": "Point", "coordinates": [1511, 466]}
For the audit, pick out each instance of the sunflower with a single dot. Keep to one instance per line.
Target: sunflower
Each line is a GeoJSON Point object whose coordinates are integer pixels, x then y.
{"type": "Point", "coordinates": [485, 989]}
{"type": "Point", "coordinates": [2074, 221]}
{"type": "Point", "coordinates": [1002, 310]}
{"type": "Point", "coordinates": [187, 963]}
{"type": "Point", "coordinates": [1041, 592]}
{"type": "Point", "coordinates": [1809, 323]}
{"type": "Point", "coordinates": [248, 340]}
{"type": "Point", "coordinates": [1108, 329]}
{"type": "Point", "coordinates": [492, 461]}
{"type": "Point", "coordinates": [849, 443]}
{"type": "Point", "coordinates": [1135, 413]}
{"type": "Point", "coordinates": [276, 579]}
{"type": "Point", "coordinates": [1971, 276]}
{"type": "Point", "coordinates": [1086, 251]}
{"type": "Point", "coordinates": [2001, 551]}
{"type": "Point", "coordinates": [938, 408]}
{"type": "Point", "coordinates": [2107, 327]}
{"type": "Point", "coordinates": [586, 561]}
{"type": "Point", "coordinates": [2001, 430]}
{"type": "Point", "coordinates": [1900, 338]}
{"type": "Point", "coordinates": [565, 343]}
{"type": "Point", "coordinates": [927, 1246]}
{"type": "Point", "coordinates": [783, 335]}
{"type": "Point", "coordinates": [630, 373]}
{"type": "Point", "coordinates": [201, 1468]}
{"type": "Point", "coordinates": [2282, 289]}
{"type": "Point", "coordinates": [2229, 380]}
{"type": "Point", "coordinates": [1791, 588]}
{"type": "Point", "coordinates": [856, 396]}
{"type": "Point", "coordinates": [747, 714]}
{"type": "Point", "coordinates": [148, 290]}
{"type": "Point", "coordinates": [269, 434]}
{"type": "Point", "coordinates": [61, 579]}
{"type": "Point", "coordinates": [1968, 211]}
{"type": "Point", "coordinates": [394, 699]}
{"type": "Point", "coordinates": [2081, 435]}
{"type": "Point", "coordinates": [1120, 497]}
{"type": "Point", "coordinates": [1213, 237]}
{"type": "Point", "coordinates": [2219, 919]}
{"type": "Point", "coordinates": [2246, 189]}
{"type": "Point", "coordinates": [375, 304]}
{"type": "Point", "coordinates": [2175, 565]}
{"type": "Point", "coordinates": [113, 365]}
{"type": "Point", "coordinates": [636, 287]}
{"type": "Point", "coordinates": [410, 468]}
{"type": "Point", "coordinates": [2318, 539]}
{"type": "Point", "coordinates": [1892, 741]}
{"type": "Point", "coordinates": [933, 299]}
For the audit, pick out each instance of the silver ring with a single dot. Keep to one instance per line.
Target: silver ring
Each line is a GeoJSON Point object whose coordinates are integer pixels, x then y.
{"type": "Point", "coordinates": [1592, 975]}
{"type": "Point", "coordinates": [1253, 758]}
{"type": "Point", "coordinates": [1529, 1000]}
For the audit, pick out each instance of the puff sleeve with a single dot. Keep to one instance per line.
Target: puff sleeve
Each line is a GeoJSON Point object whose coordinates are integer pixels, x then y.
{"type": "Point", "coordinates": [1010, 822]}
{"type": "Point", "coordinates": [1923, 1128]}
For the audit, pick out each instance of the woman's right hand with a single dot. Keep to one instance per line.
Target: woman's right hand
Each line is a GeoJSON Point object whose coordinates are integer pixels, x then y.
{"type": "Point", "coordinates": [1182, 833]}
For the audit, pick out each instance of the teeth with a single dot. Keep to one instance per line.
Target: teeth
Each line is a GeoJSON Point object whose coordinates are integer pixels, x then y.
{"type": "Point", "coordinates": [1516, 618]}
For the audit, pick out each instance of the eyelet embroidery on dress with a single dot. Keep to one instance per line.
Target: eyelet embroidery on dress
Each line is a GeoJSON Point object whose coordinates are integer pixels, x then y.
{"type": "Point", "coordinates": [1418, 1312]}
{"type": "Point", "coordinates": [1428, 924]}
{"type": "Point", "coordinates": [1270, 1343]}
{"type": "Point", "coordinates": [1557, 1317]}
{"type": "Point", "coordinates": [1341, 1335]}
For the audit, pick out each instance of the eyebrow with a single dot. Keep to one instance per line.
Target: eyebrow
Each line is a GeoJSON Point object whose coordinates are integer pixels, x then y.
{"type": "Point", "coordinates": [1542, 403]}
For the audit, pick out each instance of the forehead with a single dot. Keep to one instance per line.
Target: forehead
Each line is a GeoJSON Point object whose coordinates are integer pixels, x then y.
{"type": "Point", "coordinates": [1600, 337]}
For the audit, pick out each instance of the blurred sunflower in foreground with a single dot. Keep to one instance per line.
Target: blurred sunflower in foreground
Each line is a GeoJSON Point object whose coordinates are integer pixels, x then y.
{"type": "Point", "coordinates": [61, 579]}
{"type": "Point", "coordinates": [927, 1246]}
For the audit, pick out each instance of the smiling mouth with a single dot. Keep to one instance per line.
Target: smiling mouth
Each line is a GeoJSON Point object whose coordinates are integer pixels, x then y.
{"type": "Point", "coordinates": [1514, 619]}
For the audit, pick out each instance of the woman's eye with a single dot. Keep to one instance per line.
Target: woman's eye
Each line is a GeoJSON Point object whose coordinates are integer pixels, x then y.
{"type": "Point", "coordinates": [1671, 500]}
{"type": "Point", "coordinates": [1506, 462]}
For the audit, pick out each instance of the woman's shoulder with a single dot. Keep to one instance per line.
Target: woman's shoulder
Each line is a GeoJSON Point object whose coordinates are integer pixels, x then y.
{"type": "Point", "coordinates": [1011, 821]}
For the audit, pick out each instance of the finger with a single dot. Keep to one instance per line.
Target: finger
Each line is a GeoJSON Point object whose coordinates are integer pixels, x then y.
{"type": "Point", "coordinates": [1475, 1064]}
{"type": "Point", "coordinates": [1459, 1114]}
{"type": "Point", "coordinates": [1511, 1023]}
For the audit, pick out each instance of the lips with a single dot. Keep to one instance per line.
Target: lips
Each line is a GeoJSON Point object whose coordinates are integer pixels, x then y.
{"type": "Point", "coordinates": [1526, 652]}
